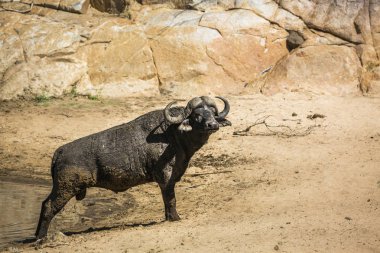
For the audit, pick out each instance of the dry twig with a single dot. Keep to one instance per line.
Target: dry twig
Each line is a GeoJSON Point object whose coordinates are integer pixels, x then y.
{"type": "Point", "coordinates": [277, 130]}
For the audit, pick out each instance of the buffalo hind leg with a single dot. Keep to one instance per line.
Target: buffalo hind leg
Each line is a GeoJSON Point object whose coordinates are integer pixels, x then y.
{"type": "Point", "coordinates": [50, 207]}
{"type": "Point", "coordinates": [168, 196]}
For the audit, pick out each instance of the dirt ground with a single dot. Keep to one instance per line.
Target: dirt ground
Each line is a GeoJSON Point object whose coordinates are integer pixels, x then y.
{"type": "Point", "coordinates": [298, 184]}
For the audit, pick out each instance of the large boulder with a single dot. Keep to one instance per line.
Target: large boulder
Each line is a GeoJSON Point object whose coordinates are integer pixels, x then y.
{"type": "Point", "coordinates": [248, 44]}
{"type": "Point", "coordinates": [336, 17]}
{"type": "Point", "coordinates": [333, 70]}
{"type": "Point", "coordinates": [43, 57]}
{"type": "Point", "coordinates": [36, 56]}
{"type": "Point", "coordinates": [216, 52]}
{"type": "Point", "coordinates": [119, 61]}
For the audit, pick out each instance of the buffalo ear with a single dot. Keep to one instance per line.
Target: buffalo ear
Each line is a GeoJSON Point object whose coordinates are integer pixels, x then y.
{"type": "Point", "coordinates": [223, 122]}
{"type": "Point", "coordinates": [185, 126]}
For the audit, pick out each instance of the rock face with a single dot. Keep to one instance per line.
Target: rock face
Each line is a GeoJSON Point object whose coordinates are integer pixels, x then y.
{"type": "Point", "coordinates": [216, 47]}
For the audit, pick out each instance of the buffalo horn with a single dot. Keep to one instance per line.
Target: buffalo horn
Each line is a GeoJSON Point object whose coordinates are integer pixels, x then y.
{"type": "Point", "coordinates": [226, 109]}
{"type": "Point", "coordinates": [172, 119]}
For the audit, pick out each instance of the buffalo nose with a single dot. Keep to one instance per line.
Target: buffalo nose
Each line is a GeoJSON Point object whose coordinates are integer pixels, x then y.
{"type": "Point", "coordinates": [212, 125]}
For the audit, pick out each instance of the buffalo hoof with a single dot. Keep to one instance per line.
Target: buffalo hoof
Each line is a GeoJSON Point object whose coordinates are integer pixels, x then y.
{"type": "Point", "coordinates": [173, 217]}
{"type": "Point", "coordinates": [38, 242]}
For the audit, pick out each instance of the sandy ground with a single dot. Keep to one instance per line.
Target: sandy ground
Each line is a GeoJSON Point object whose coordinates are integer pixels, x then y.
{"type": "Point", "coordinates": [312, 185]}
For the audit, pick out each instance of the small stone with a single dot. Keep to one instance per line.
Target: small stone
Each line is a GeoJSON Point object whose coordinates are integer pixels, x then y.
{"type": "Point", "coordinates": [294, 114]}
{"type": "Point", "coordinates": [348, 218]}
{"type": "Point", "coordinates": [276, 247]}
{"type": "Point", "coordinates": [316, 115]}
{"type": "Point", "coordinates": [56, 236]}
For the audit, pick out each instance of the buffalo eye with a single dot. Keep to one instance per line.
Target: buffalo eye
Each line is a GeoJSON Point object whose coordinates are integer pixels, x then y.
{"type": "Point", "coordinates": [198, 118]}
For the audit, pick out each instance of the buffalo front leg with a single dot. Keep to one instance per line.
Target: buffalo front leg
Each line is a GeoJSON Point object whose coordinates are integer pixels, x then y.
{"type": "Point", "coordinates": [168, 196]}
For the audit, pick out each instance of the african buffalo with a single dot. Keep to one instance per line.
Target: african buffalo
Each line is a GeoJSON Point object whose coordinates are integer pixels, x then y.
{"type": "Point", "coordinates": [155, 147]}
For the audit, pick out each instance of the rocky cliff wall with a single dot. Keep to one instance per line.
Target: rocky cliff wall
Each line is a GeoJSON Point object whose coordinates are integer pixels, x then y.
{"type": "Point", "coordinates": [208, 47]}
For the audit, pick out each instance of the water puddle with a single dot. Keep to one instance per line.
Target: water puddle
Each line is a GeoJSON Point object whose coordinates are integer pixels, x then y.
{"type": "Point", "coordinates": [20, 205]}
